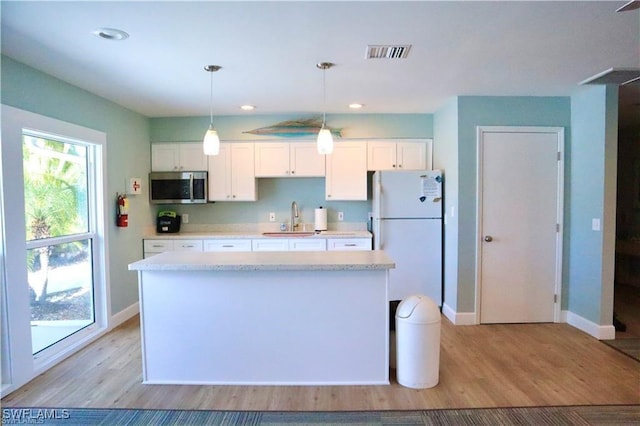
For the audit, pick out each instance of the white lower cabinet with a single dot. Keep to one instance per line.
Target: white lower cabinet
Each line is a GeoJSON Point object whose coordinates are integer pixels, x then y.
{"type": "Point", "coordinates": [344, 244]}
{"type": "Point", "coordinates": [303, 244]}
{"type": "Point", "coordinates": [289, 244]}
{"type": "Point", "coordinates": [151, 247]}
{"type": "Point", "coordinates": [227, 245]}
{"type": "Point", "coordinates": [270, 244]}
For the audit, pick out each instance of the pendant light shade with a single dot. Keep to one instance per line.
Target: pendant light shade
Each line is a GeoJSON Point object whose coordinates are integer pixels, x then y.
{"type": "Point", "coordinates": [325, 141]}
{"type": "Point", "coordinates": [325, 138]}
{"type": "Point", "coordinates": [211, 143]}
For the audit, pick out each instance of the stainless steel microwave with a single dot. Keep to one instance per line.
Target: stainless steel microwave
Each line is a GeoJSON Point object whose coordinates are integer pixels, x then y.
{"type": "Point", "coordinates": [178, 187]}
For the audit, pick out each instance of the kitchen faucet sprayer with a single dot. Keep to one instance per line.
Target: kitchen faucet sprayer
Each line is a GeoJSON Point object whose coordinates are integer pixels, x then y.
{"type": "Point", "coordinates": [294, 215]}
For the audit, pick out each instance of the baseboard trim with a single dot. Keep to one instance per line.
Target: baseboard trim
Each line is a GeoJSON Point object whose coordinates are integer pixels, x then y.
{"type": "Point", "coordinates": [600, 332]}
{"type": "Point", "coordinates": [124, 315]}
{"type": "Point", "coordinates": [458, 318]}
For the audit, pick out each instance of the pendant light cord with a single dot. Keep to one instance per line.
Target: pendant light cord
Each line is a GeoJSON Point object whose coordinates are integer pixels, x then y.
{"type": "Point", "coordinates": [324, 96]}
{"type": "Point", "coordinates": [211, 100]}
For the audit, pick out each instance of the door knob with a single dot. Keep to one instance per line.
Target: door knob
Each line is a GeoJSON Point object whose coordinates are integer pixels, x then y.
{"type": "Point", "coordinates": [488, 238]}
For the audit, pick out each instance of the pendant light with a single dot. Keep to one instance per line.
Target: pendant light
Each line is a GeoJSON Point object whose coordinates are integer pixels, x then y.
{"type": "Point", "coordinates": [211, 143]}
{"type": "Point", "coordinates": [325, 139]}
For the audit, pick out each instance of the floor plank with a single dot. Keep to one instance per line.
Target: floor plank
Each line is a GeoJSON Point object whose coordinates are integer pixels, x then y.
{"type": "Point", "coordinates": [480, 366]}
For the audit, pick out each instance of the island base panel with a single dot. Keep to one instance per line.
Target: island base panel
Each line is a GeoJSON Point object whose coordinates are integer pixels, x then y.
{"type": "Point", "coordinates": [265, 327]}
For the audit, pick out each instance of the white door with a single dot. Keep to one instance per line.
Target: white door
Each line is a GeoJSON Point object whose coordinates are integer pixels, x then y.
{"type": "Point", "coordinates": [519, 220]}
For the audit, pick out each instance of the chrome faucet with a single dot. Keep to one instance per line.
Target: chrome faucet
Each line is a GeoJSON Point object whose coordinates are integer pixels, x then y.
{"type": "Point", "coordinates": [294, 215]}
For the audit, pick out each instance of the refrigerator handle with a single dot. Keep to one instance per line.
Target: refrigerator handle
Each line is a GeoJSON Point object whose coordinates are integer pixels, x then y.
{"type": "Point", "coordinates": [380, 243]}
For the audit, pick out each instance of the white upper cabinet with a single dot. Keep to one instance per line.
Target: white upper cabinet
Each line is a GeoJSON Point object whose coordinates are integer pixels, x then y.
{"type": "Point", "coordinates": [288, 159]}
{"type": "Point", "coordinates": [231, 173]}
{"type": "Point", "coordinates": [346, 177]}
{"type": "Point", "coordinates": [170, 157]}
{"type": "Point", "coordinates": [399, 155]}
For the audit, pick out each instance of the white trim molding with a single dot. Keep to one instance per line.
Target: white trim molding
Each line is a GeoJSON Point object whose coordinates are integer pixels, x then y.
{"type": "Point", "coordinates": [459, 318]}
{"type": "Point", "coordinates": [124, 315]}
{"type": "Point", "coordinates": [600, 332]}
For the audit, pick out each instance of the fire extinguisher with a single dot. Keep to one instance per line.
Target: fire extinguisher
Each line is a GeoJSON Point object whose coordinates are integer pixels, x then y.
{"type": "Point", "coordinates": [122, 211]}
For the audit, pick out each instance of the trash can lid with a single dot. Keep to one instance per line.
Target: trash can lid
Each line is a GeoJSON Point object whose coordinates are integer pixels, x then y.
{"type": "Point", "coordinates": [418, 309]}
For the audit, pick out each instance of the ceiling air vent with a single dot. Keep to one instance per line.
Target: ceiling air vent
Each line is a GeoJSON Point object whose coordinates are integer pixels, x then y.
{"type": "Point", "coordinates": [377, 51]}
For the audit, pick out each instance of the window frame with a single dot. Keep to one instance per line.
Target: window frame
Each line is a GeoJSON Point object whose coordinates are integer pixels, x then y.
{"type": "Point", "coordinates": [23, 365]}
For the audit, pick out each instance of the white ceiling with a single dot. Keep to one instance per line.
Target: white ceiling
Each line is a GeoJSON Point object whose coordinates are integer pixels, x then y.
{"type": "Point", "coordinates": [268, 51]}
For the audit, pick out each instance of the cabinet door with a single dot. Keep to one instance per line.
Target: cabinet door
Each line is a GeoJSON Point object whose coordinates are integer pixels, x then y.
{"type": "Point", "coordinates": [305, 161]}
{"type": "Point", "coordinates": [219, 174]}
{"type": "Point", "coordinates": [187, 245]}
{"type": "Point", "coordinates": [191, 157]}
{"type": "Point", "coordinates": [227, 245]}
{"type": "Point", "coordinates": [345, 244]}
{"type": "Point", "coordinates": [270, 244]}
{"type": "Point", "coordinates": [347, 172]}
{"type": "Point", "coordinates": [381, 155]}
{"type": "Point", "coordinates": [243, 178]}
{"type": "Point", "coordinates": [157, 246]}
{"type": "Point", "coordinates": [164, 157]}
{"type": "Point", "coordinates": [272, 159]}
{"type": "Point", "coordinates": [307, 244]}
{"type": "Point", "coordinates": [412, 155]}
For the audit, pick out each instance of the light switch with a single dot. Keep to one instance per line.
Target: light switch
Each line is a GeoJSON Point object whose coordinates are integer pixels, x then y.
{"type": "Point", "coordinates": [595, 224]}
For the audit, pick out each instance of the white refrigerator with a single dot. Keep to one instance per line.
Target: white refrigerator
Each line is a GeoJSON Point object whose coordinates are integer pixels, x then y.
{"type": "Point", "coordinates": [407, 225]}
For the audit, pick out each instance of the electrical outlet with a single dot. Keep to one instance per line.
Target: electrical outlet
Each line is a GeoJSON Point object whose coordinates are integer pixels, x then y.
{"type": "Point", "coordinates": [272, 217]}
{"type": "Point", "coordinates": [185, 218]}
{"type": "Point", "coordinates": [340, 216]}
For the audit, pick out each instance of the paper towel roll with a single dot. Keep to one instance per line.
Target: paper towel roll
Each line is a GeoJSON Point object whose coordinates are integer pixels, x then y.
{"type": "Point", "coordinates": [321, 219]}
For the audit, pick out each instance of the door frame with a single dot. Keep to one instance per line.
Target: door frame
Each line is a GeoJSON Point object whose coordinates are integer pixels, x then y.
{"type": "Point", "coordinates": [559, 131]}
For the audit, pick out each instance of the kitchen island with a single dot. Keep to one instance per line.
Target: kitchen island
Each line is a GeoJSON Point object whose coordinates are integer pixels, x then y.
{"type": "Point", "coordinates": [269, 318]}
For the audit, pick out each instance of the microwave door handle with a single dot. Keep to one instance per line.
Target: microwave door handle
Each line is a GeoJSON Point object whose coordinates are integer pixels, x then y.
{"type": "Point", "coordinates": [191, 186]}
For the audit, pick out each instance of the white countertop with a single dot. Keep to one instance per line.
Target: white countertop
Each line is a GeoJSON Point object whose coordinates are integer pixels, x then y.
{"type": "Point", "coordinates": [265, 261]}
{"type": "Point", "coordinates": [252, 235]}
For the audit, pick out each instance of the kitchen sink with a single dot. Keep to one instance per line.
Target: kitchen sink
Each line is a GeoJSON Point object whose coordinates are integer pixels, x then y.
{"type": "Point", "coordinates": [289, 234]}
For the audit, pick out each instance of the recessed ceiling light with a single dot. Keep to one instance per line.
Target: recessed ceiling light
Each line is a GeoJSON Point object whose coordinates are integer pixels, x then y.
{"type": "Point", "coordinates": [355, 105]}
{"type": "Point", "coordinates": [248, 107]}
{"type": "Point", "coordinates": [110, 34]}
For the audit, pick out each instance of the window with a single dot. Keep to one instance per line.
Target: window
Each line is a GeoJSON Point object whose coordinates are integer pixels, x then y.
{"type": "Point", "coordinates": [59, 237]}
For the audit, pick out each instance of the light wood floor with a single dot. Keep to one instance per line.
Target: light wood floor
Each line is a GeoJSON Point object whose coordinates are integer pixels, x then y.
{"type": "Point", "coordinates": [480, 366]}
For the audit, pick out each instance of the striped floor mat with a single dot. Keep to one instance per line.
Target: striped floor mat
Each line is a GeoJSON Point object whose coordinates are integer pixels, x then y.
{"type": "Point", "coordinates": [573, 415]}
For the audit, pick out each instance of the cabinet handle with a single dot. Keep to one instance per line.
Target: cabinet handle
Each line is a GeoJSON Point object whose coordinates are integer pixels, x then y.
{"type": "Point", "coordinates": [350, 245]}
{"type": "Point", "coordinates": [227, 246]}
{"type": "Point", "coordinates": [293, 172]}
{"type": "Point", "coordinates": [286, 172]}
{"type": "Point", "coordinates": [394, 166]}
{"type": "Point", "coordinates": [233, 196]}
{"type": "Point", "coordinates": [400, 166]}
{"type": "Point", "coordinates": [328, 195]}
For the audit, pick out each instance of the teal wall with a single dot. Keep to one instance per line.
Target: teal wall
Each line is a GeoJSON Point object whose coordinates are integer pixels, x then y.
{"type": "Point", "coordinates": [588, 118]}
{"type": "Point", "coordinates": [127, 156]}
{"type": "Point", "coordinates": [476, 111]}
{"type": "Point", "coordinates": [231, 128]}
{"type": "Point", "coordinates": [592, 195]}
{"type": "Point", "coordinates": [276, 195]}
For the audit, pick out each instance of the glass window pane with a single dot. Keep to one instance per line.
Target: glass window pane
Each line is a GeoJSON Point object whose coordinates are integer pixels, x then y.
{"type": "Point", "coordinates": [61, 287]}
{"type": "Point", "coordinates": [55, 185]}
